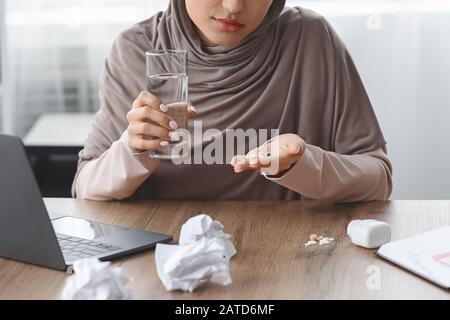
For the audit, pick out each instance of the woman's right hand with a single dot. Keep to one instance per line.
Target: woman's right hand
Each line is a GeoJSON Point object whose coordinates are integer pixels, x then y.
{"type": "Point", "coordinates": [149, 126]}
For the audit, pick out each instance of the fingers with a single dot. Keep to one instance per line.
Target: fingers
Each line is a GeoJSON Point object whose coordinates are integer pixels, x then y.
{"type": "Point", "coordinates": [150, 114]}
{"type": "Point", "coordinates": [260, 156]}
{"type": "Point", "coordinates": [148, 107]}
{"type": "Point", "coordinates": [148, 120]}
{"type": "Point", "coordinates": [192, 112]}
{"type": "Point", "coordinates": [255, 160]}
{"type": "Point", "coordinates": [276, 155]}
{"type": "Point", "coordinates": [239, 163]}
{"type": "Point", "coordinates": [144, 145]}
{"type": "Point", "coordinates": [148, 129]}
{"type": "Point", "coordinates": [150, 126]}
{"type": "Point", "coordinates": [254, 156]}
{"type": "Point", "coordinates": [145, 98]}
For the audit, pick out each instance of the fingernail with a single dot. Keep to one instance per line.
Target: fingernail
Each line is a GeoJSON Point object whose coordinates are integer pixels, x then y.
{"type": "Point", "coordinates": [174, 136]}
{"type": "Point", "coordinates": [163, 108]}
{"type": "Point", "coordinates": [164, 143]}
{"type": "Point", "coordinates": [173, 125]}
{"type": "Point", "coordinates": [193, 108]}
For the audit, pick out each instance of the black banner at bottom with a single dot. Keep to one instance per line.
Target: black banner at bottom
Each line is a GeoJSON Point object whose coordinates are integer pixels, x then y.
{"type": "Point", "coordinates": [224, 310]}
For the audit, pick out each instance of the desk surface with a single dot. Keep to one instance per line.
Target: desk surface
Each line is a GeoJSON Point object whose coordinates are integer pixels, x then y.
{"type": "Point", "coordinates": [272, 262]}
{"type": "Point", "coordinates": [60, 130]}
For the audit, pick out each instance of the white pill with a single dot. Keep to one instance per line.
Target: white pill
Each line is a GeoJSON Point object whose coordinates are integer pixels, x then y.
{"type": "Point", "coordinates": [310, 243]}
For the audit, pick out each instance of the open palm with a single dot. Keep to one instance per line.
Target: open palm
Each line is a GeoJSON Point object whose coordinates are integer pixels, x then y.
{"type": "Point", "coordinates": [272, 158]}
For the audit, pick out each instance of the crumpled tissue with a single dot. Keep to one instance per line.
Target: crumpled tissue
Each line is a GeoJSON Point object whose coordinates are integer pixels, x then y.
{"type": "Point", "coordinates": [96, 280]}
{"type": "Point", "coordinates": [203, 256]}
{"type": "Point", "coordinates": [203, 226]}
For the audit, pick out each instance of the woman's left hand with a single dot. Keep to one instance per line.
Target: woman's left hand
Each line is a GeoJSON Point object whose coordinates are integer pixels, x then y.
{"type": "Point", "coordinates": [274, 157]}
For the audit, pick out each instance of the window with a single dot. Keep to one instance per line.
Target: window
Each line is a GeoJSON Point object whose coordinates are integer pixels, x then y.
{"type": "Point", "coordinates": [2, 62]}
{"type": "Point", "coordinates": [57, 51]}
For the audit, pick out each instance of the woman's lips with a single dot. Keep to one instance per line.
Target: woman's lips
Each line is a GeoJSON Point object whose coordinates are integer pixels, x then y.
{"type": "Point", "coordinates": [228, 25]}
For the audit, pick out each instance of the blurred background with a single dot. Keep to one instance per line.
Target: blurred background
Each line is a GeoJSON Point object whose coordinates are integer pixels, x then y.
{"type": "Point", "coordinates": [52, 54]}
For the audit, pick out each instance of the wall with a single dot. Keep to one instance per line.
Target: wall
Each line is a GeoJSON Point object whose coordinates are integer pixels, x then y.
{"type": "Point", "coordinates": [403, 55]}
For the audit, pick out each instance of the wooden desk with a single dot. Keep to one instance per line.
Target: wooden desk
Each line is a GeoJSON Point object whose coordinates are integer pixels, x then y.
{"type": "Point", "coordinates": [272, 262]}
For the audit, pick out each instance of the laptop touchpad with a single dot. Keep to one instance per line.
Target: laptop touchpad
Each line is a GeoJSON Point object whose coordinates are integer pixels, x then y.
{"type": "Point", "coordinates": [83, 228]}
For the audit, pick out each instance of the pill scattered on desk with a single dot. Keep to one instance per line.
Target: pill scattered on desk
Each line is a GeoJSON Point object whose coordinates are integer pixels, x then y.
{"type": "Point", "coordinates": [310, 243]}
{"type": "Point", "coordinates": [318, 240]}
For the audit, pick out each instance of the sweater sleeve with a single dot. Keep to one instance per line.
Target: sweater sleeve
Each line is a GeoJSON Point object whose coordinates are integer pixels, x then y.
{"type": "Point", "coordinates": [323, 175]}
{"type": "Point", "coordinates": [105, 152]}
{"type": "Point", "coordinates": [116, 174]}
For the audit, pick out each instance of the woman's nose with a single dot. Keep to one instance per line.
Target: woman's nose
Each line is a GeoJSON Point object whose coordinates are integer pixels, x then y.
{"type": "Point", "coordinates": [233, 6]}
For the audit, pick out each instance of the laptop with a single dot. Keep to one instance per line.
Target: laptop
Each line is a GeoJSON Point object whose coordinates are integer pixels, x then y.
{"type": "Point", "coordinates": [427, 255]}
{"type": "Point", "coordinates": [28, 233]}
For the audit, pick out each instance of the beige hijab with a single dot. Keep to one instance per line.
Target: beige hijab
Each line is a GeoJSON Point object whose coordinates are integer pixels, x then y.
{"type": "Point", "coordinates": [293, 74]}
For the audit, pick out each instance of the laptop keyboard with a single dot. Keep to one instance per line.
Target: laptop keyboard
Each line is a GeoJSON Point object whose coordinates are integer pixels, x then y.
{"type": "Point", "coordinates": [74, 248]}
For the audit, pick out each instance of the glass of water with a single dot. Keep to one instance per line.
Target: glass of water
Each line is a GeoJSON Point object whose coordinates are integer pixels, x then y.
{"type": "Point", "coordinates": [167, 79]}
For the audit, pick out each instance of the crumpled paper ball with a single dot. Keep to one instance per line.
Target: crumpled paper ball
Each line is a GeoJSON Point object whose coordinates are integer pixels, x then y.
{"type": "Point", "coordinates": [96, 280]}
{"type": "Point", "coordinates": [188, 267]}
{"type": "Point", "coordinates": [203, 227]}
{"type": "Point", "coordinates": [203, 256]}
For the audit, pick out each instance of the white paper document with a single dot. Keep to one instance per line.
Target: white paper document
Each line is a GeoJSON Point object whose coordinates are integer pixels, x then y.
{"type": "Point", "coordinates": [427, 255]}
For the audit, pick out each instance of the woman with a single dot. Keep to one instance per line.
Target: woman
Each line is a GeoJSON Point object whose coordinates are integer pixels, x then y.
{"type": "Point", "coordinates": [252, 64]}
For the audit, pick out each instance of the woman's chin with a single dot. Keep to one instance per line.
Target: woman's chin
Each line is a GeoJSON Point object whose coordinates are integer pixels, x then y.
{"type": "Point", "coordinates": [228, 42]}
{"type": "Point", "coordinates": [224, 39]}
